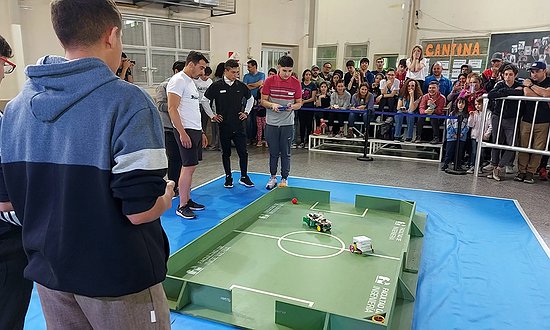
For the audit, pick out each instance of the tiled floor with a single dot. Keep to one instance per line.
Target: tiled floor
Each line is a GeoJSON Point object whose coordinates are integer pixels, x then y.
{"type": "Point", "coordinates": [534, 199]}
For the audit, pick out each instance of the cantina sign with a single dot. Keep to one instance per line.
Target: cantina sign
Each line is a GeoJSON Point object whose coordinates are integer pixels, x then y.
{"type": "Point", "coordinates": [455, 47]}
{"type": "Point", "coordinates": [452, 49]}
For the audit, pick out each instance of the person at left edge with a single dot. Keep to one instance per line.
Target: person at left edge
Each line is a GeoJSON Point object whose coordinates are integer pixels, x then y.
{"type": "Point", "coordinates": [15, 290]}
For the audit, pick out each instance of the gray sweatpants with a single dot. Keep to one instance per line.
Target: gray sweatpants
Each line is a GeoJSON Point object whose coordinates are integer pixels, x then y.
{"type": "Point", "coordinates": [145, 310]}
{"type": "Point", "coordinates": [278, 139]}
{"type": "Point", "coordinates": [500, 157]}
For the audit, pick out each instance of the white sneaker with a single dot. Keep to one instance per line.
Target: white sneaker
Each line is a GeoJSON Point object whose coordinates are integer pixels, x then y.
{"type": "Point", "coordinates": [272, 183]}
{"type": "Point", "coordinates": [488, 168]}
{"type": "Point", "coordinates": [284, 183]}
{"type": "Point", "coordinates": [471, 170]}
{"type": "Point", "coordinates": [510, 169]}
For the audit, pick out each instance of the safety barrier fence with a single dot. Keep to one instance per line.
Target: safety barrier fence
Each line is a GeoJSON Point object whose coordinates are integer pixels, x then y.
{"type": "Point", "coordinates": [497, 143]}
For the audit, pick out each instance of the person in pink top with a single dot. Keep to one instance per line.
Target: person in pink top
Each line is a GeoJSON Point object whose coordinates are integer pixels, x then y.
{"type": "Point", "coordinates": [431, 104]}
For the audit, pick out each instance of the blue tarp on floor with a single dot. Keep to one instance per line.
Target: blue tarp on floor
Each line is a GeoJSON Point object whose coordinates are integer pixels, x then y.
{"type": "Point", "coordinates": [482, 266]}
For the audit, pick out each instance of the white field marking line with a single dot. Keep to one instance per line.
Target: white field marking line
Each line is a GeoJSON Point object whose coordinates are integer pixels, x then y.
{"type": "Point", "coordinates": [310, 243]}
{"type": "Point", "coordinates": [307, 302]}
{"type": "Point", "coordinates": [533, 229]}
{"type": "Point", "coordinates": [342, 213]}
{"type": "Point", "coordinates": [289, 240]}
{"type": "Point", "coordinates": [311, 208]}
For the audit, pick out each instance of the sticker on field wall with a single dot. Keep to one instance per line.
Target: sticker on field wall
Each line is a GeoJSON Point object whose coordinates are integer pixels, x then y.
{"type": "Point", "coordinates": [378, 295]}
{"type": "Point", "coordinates": [398, 231]}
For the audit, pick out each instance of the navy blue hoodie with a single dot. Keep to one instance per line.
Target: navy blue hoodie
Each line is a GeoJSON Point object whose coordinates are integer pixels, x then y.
{"type": "Point", "coordinates": [81, 149]}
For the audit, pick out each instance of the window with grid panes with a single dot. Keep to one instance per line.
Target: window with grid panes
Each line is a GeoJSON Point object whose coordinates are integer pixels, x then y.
{"type": "Point", "coordinates": [155, 44]}
{"type": "Point", "coordinates": [355, 53]}
{"type": "Point", "coordinates": [327, 54]}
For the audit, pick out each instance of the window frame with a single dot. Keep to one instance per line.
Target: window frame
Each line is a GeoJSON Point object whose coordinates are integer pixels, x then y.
{"type": "Point", "coordinates": [355, 59]}
{"type": "Point", "coordinates": [321, 60]}
{"type": "Point", "coordinates": [180, 52]}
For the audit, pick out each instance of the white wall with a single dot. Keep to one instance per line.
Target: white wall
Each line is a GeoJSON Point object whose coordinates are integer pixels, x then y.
{"type": "Point", "coordinates": [384, 24]}
{"type": "Point", "coordinates": [480, 18]}
{"type": "Point", "coordinates": [280, 22]}
{"type": "Point", "coordinates": [380, 23]}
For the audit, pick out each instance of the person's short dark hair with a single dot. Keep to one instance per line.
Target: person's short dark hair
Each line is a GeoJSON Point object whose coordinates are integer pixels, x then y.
{"type": "Point", "coordinates": [253, 63]}
{"type": "Point", "coordinates": [390, 69]}
{"type": "Point", "coordinates": [434, 82]}
{"type": "Point", "coordinates": [462, 75]}
{"type": "Point", "coordinates": [510, 66]}
{"type": "Point", "coordinates": [5, 49]}
{"type": "Point", "coordinates": [272, 70]}
{"type": "Point", "coordinates": [363, 60]}
{"type": "Point", "coordinates": [403, 62]}
{"type": "Point", "coordinates": [196, 57]}
{"type": "Point", "coordinates": [219, 70]}
{"type": "Point", "coordinates": [230, 64]}
{"type": "Point", "coordinates": [327, 63]}
{"type": "Point", "coordinates": [350, 63]}
{"type": "Point", "coordinates": [339, 72]}
{"type": "Point", "coordinates": [178, 65]}
{"type": "Point", "coordinates": [286, 62]}
{"type": "Point", "coordinates": [207, 71]}
{"type": "Point", "coordinates": [379, 58]}
{"type": "Point", "coordinates": [83, 22]}
{"type": "Point", "coordinates": [323, 83]}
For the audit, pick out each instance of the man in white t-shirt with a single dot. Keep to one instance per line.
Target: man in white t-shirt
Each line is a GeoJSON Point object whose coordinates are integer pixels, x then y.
{"type": "Point", "coordinates": [183, 107]}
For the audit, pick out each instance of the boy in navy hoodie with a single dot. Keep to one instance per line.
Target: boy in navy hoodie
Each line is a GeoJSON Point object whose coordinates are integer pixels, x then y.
{"type": "Point", "coordinates": [83, 162]}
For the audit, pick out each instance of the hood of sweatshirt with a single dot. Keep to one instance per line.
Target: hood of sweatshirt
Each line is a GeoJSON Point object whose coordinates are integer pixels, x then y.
{"type": "Point", "coordinates": [57, 84]}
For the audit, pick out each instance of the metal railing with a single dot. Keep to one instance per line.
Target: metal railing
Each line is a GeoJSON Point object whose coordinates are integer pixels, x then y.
{"type": "Point", "coordinates": [497, 130]}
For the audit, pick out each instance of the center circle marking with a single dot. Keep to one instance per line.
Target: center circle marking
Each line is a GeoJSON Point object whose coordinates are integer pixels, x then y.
{"type": "Point", "coordinates": [282, 238]}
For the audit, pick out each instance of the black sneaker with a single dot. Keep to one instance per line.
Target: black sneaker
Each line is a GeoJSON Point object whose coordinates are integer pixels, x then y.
{"type": "Point", "coordinates": [245, 181]}
{"type": "Point", "coordinates": [529, 178]}
{"type": "Point", "coordinates": [185, 212]}
{"type": "Point", "coordinates": [195, 206]}
{"type": "Point", "coordinates": [228, 182]}
{"type": "Point", "coordinates": [444, 167]}
{"type": "Point", "coordinates": [520, 177]}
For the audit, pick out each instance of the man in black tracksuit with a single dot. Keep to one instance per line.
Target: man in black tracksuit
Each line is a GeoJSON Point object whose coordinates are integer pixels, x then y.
{"type": "Point", "coordinates": [229, 95]}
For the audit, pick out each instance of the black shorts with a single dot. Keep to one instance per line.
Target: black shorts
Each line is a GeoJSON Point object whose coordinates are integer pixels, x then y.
{"type": "Point", "coordinates": [190, 157]}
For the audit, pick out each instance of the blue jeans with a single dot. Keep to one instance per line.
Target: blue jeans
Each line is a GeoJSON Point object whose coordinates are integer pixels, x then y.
{"type": "Point", "coordinates": [450, 152]}
{"type": "Point", "coordinates": [399, 124]}
{"type": "Point", "coordinates": [473, 152]}
{"type": "Point", "coordinates": [353, 116]}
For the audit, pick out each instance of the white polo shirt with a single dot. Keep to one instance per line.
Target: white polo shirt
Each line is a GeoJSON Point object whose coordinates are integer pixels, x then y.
{"type": "Point", "coordinates": [188, 109]}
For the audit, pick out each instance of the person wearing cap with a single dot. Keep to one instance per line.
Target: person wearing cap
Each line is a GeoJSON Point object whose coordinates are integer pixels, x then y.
{"type": "Point", "coordinates": [491, 75]}
{"type": "Point", "coordinates": [538, 85]}
{"type": "Point", "coordinates": [315, 76]}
